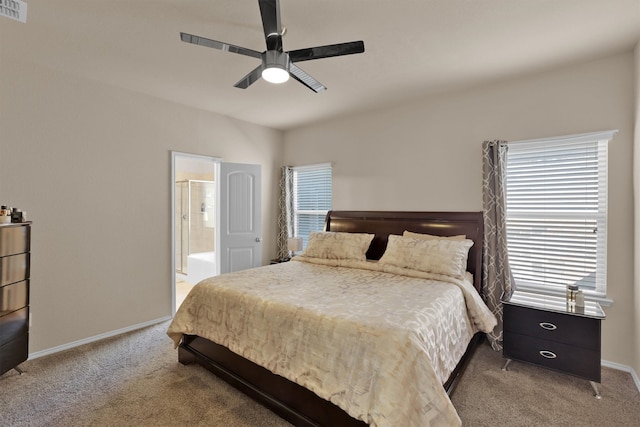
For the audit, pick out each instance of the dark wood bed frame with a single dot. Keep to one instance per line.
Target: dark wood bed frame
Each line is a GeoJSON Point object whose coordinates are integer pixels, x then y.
{"type": "Point", "coordinates": [295, 403]}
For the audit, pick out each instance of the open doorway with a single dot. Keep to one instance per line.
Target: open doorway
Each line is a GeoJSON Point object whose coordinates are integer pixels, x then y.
{"type": "Point", "coordinates": [216, 219]}
{"type": "Point", "coordinates": [194, 221]}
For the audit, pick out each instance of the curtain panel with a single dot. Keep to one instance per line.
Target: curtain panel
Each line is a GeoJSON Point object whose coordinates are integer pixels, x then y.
{"type": "Point", "coordinates": [497, 281]}
{"type": "Point", "coordinates": [285, 214]}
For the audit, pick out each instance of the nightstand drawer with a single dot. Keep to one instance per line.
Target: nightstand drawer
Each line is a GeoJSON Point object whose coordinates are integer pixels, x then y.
{"type": "Point", "coordinates": [567, 329]}
{"type": "Point", "coordinates": [580, 362]}
{"type": "Point", "coordinates": [14, 297]}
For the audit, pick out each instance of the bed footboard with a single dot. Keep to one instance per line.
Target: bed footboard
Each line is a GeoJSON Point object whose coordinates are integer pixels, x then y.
{"type": "Point", "coordinates": [289, 400]}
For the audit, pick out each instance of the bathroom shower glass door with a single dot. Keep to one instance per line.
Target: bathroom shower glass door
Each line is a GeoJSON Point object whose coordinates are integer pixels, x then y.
{"type": "Point", "coordinates": [201, 216]}
{"type": "Point", "coordinates": [195, 225]}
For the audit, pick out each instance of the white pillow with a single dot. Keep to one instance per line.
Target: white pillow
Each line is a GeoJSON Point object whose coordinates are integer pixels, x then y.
{"type": "Point", "coordinates": [336, 245]}
{"type": "Point", "coordinates": [440, 256]}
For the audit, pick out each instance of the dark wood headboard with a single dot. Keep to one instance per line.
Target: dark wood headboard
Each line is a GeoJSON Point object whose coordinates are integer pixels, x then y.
{"type": "Point", "coordinates": [383, 223]}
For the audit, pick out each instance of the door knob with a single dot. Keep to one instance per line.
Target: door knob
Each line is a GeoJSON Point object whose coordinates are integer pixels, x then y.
{"type": "Point", "coordinates": [258, 239]}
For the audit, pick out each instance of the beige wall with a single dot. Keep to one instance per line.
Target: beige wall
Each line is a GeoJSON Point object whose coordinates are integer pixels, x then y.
{"type": "Point", "coordinates": [426, 155]}
{"type": "Point", "coordinates": [91, 166]}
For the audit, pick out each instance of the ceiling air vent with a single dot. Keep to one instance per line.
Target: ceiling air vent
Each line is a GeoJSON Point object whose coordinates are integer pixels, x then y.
{"type": "Point", "coordinates": [14, 9]}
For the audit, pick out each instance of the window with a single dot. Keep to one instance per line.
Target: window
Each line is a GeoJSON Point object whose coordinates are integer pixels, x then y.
{"type": "Point", "coordinates": [312, 186]}
{"type": "Point", "coordinates": [556, 203]}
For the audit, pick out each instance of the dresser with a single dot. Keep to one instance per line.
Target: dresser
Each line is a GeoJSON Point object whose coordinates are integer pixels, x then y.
{"type": "Point", "coordinates": [15, 257]}
{"type": "Point", "coordinates": [547, 332]}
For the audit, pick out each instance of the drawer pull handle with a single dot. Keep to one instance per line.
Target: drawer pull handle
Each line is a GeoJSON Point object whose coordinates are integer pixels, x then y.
{"type": "Point", "coordinates": [547, 354]}
{"type": "Point", "coordinates": [548, 326]}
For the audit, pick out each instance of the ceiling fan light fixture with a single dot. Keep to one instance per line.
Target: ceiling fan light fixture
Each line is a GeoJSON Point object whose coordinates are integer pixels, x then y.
{"type": "Point", "coordinates": [275, 67]}
{"type": "Point", "coordinates": [275, 74]}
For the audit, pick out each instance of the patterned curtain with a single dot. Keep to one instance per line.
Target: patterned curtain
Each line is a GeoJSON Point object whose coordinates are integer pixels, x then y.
{"type": "Point", "coordinates": [497, 281]}
{"type": "Point", "coordinates": [285, 214]}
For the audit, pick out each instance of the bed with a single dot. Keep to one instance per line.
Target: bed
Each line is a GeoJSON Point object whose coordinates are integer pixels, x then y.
{"type": "Point", "coordinates": [340, 341]}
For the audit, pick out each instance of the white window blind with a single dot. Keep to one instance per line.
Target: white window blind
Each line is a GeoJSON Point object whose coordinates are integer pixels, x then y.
{"type": "Point", "coordinates": [556, 201]}
{"type": "Point", "coordinates": [312, 189]}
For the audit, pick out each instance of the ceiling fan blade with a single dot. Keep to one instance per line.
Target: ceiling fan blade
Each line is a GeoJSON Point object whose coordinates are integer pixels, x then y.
{"type": "Point", "coordinates": [326, 51]}
{"type": "Point", "coordinates": [226, 47]}
{"type": "Point", "coordinates": [305, 79]}
{"type": "Point", "coordinates": [250, 78]}
{"type": "Point", "coordinates": [270, 13]}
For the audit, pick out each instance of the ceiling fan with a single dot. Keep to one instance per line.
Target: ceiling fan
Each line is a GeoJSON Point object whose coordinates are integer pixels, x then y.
{"type": "Point", "coordinates": [277, 65]}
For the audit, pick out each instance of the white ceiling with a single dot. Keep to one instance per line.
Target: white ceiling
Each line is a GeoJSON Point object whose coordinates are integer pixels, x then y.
{"type": "Point", "coordinates": [412, 47]}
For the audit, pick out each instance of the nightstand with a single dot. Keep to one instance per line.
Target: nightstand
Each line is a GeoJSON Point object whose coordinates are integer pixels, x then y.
{"type": "Point", "coordinates": [279, 260]}
{"type": "Point", "coordinates": [544, 331]}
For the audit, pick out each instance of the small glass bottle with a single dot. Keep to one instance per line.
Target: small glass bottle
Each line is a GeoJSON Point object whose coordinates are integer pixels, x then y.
{"type": "Point", "coordinates": [572, 290]}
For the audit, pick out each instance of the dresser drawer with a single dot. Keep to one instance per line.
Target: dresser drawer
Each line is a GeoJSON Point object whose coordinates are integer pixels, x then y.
{"type": "Point", "coordinates": [584, 363]}
{"type": "Point", "coordinates": [562, 328]}
{"type": "Point", "coordinates": [14, 240]}
{"type": "Point", "coordinates": [14, 325]}
{"type": "Point", "coordinates": [14, 297]}
{"type": "Point", "coordinates": [14, 353]}
{"type": "Point", "coordinates": [14, 268]}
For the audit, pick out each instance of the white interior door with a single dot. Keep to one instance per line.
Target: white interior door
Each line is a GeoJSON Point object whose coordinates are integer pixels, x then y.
{"type": "Point", "coordinates": [240, 226]}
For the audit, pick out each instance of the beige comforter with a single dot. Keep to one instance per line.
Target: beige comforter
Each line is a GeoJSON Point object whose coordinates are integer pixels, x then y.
{"type": "Point", "coordinates": [377, 344]}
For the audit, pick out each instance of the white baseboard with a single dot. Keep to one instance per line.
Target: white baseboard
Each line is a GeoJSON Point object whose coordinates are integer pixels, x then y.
{"type": "Point", "coordinates": [110, 334]}
{"type": "Point", "coordinates": [624, 368]}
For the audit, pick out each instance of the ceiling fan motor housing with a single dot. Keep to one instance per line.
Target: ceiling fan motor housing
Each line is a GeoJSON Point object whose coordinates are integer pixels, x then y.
{"type": "Point", "coordinates": [274, 58]}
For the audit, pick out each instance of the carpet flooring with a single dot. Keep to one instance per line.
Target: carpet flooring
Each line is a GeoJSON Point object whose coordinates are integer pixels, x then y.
{"type": "Point", "coordinates": [113, 383]}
